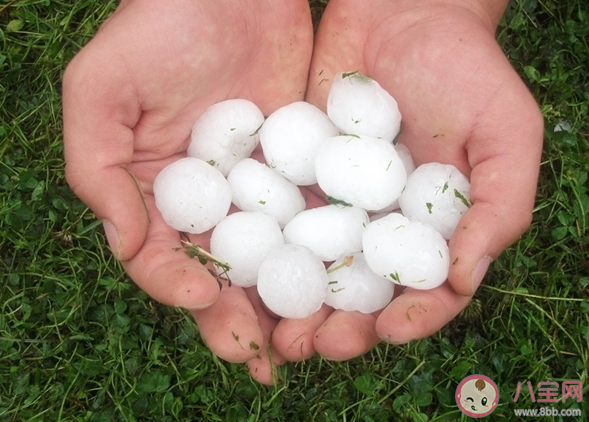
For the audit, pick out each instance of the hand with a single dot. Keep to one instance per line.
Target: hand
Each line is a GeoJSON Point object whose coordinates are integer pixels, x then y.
{"type": "Point", "coordinates": [461, 103]}
{"type": "Point", "coordinates": [130, 99]}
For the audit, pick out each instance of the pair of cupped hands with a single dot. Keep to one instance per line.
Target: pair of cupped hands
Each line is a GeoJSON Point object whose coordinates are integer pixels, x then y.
{"type": "Point", "coordinates": [131, 95]}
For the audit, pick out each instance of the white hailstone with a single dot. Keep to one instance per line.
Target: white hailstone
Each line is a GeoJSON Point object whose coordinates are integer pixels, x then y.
{"type": "Point", "coordinates": [330, 231]}
{"type": "Point", "coordinates": [243, 240]}
{"type": "Point", "coordinates": [226, 133]}
{"type": "Point", "coordinates": [292, 281]}
{"type": "Point", "coordinates": [256, 187]}
{"type": "Point", "coordinates": [362, 171]}
{"type": "Point", "coordinates": [407, 159]}
{"type": "Point", "coordinates": [191, 195]}
{"type": "Point", "coordinates": [407, 252]}
{"type": "Point", "coordinates": [290, 138]}
{"type": "Point", "coordinates": [438, 195]}
{"type": "Point", "coordinates": [353, 286]}
{"type": "Point", "coordinates": [358, 105]}
{"type": "Point", "coordinates": [381, 214]}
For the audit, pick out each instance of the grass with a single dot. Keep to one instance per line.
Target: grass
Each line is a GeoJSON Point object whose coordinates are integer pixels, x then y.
{"type": "Point", "coordinates": [79, 342]}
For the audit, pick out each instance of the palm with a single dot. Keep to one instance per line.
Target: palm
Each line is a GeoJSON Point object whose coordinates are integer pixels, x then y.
{"type": "Point", "coordinates": [459, 99]}
{"type": "Point", "coordinates": [130, 99]}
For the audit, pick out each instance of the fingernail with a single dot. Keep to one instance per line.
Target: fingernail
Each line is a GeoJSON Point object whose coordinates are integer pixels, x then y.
{"type": "Point", "coordinates": [387, 338]}
{"type": "Point", "coordinates": [195, 308]}
{"type": "Point", "coordinates": [479, 273]}
{"type": "Point", "coordinates": [112, 236]}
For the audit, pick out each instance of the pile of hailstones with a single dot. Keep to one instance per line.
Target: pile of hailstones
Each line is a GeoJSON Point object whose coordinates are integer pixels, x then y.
{"type": "Point", "coordinates": [387, 222]}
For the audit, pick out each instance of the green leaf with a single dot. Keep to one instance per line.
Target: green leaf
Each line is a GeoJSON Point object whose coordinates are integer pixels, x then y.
{"type": "Point", "coordinates": [154, 382]}
{"type": "Point", "coordinates": [461, 369]}
{"type": "Point", "coordinates": [120, 306]}
{"type": "Point", "coordinates": [15, 25]}
{"type": "Point", "coordinates": [38, 191]}
{"type": "Point", "coordinates": [462, 198]}
{"type": "Point", "coordinates": [423, 400]}
{"type": "Point", "coordinates": [532, 73]}
{"type": "Point", "coordinates": [525, 350]}
{"type": "Point", "coordinates": [145, 332]}
{"type": "Point", "coordinates": [401, 401]}
{"type": "Point", "coordinates": [559, 233]}
{"type": "Point", "coordinates": [420, 417]}
{"type": "Point", "coordinates": [348, 74]}
{"type": "Point", "coordinates": [445, 188]}
{"type": "Point", "coordinates": [365, 383]}
{"type": "Point", "coordinates": [336, 201]}
{"type": "Point", "coordinates": [141, 406]}
{"type": "Point", "coordinates": [13, 279]}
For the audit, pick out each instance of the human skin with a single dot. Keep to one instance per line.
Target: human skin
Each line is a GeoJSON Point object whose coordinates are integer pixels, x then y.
{"type": "Point", "coordinates": [462, 103]}
{"type": "Point", "coordinates": [130, 97]}
{"type": "Point", "coordinates": [132, 94]}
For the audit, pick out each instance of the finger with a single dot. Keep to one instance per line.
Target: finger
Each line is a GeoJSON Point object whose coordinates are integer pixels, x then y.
{"type": "Point", "coordinates": [504, 153]}
{"type": "Point", "coordinates": [339, 45]}
{"type": "Point", "coordinates": [263, 367]}
{"type": "Point", "coordinates": [293, 338]}
{"type": "Point", "coordinates": [346, 335]}
{"type": "Point", "coordinates": [230, 326]}
{"type": "Point", "coordinates": [417, 314]}
{"type": "Point", "coordinates": [99, 110]}
{"type": "Point", "coordinates": [163, 269]}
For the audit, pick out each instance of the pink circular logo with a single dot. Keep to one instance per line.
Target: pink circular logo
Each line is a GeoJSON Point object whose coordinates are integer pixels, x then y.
{"type": "Point", "coordinates": [477, 396]}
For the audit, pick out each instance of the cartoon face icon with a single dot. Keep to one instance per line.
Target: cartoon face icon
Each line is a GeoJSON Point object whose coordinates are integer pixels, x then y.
{"type": "Point", "coordinates": [477, 396]}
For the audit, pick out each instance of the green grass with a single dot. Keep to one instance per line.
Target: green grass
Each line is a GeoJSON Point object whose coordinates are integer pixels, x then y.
{"type": "Point", "coordinates": [79, 342]}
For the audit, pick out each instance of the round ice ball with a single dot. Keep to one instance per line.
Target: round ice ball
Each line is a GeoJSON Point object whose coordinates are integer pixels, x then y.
{"type": "Point", "coordinates": [243, 240]}
{"type": "Point", "coordinates": [407, 160]}
{"type": "Point", "coordinates": [407, 252]}
{"type": "Point", "coordinates": [358, 105]}
{"type": "Point", "coordinates": [292, 281]}
{"type": "Point", "coordinates": [438, 195]}
{"type": "Point", "coordinates": [330, 231]}
{"type": "Point", "coordinates": [256, 187]}
{"type": "Point", "coordinates": [191, 195]}
{"type": "Point", "coordinates": [226, 133]}
{"type": "Point", "coordinates": [353, 286]}
{"type": "Point", "coordinates": [290, 138]}
{"type": "Point", "coordinates": [360, 170]}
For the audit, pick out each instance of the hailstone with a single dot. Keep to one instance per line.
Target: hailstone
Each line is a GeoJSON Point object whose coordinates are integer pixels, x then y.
{"type": "Point", "coordinates": [290, 138]}
{"type": "Point", "coordinates": [358, 105]}
{"type": "Point", "coordinates": [330, 231]}
{"type": "Point", "coordinates": [256, 187]}
{"type": "Point", "coordinates": [243, 240]}
{"type": "Point", "coordinates": [191, 195]}
{"type": "Point", "coordinates": [407, 159]}
{"type": "Point", "coordinates": [363, 171]}
{"type": "Point", "coordinates": [438, 195]}
{"type": "Point", "coordinates": [353, 286]}
{"type": "Point", "coordinates": [226, 133]}
{"type": "Point", "coordinates": [292, 281]}
{"type": "Point", "coordinates": [407, 252]}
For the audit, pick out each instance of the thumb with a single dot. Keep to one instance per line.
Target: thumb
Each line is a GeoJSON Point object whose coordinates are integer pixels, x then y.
{"type": "Point", "coordinates": [99, 110]}
{"type": "Point", "coordinates": [504, 177]}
